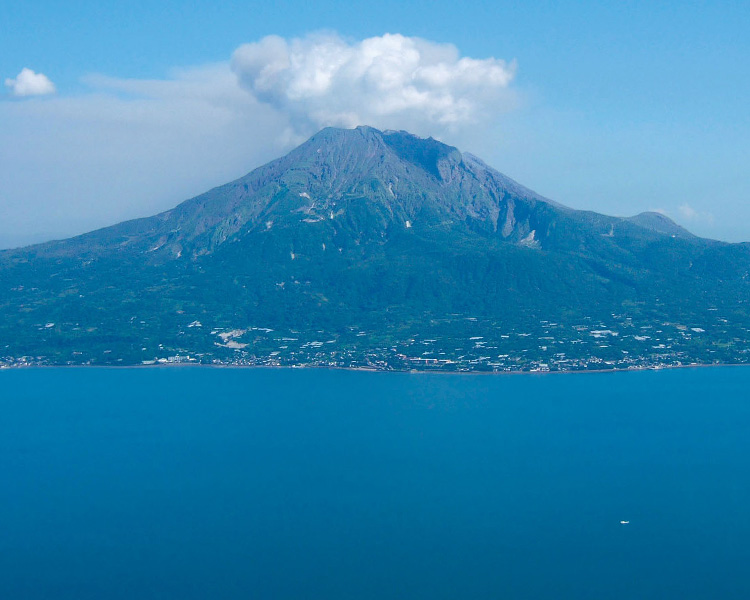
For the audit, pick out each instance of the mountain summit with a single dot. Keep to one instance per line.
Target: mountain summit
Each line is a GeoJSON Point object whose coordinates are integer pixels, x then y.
{"type": "Point", "coordinates": [377, 241]}
{"type": "Point", "coordinates": [399, 175]}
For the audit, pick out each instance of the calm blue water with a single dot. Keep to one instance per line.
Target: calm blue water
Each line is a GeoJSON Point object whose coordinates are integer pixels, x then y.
{"type": "Point", "coordinates": [278, 484]}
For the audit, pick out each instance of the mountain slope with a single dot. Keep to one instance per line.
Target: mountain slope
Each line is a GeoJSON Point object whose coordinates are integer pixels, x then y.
{"type": "Point", "coordinates": [390, 236]}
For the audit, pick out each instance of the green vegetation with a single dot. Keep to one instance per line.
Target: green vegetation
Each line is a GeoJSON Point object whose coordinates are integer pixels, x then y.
{"type": "Point", "coordinates": [380, 250]}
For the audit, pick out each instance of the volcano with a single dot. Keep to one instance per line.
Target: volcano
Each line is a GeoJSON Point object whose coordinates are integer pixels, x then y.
{"type": "Point", "coordinates": [378, 249]}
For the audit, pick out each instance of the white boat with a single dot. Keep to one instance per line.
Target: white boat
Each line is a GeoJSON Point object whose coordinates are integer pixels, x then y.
{"type": "Point", "coordinates": [624, 522]}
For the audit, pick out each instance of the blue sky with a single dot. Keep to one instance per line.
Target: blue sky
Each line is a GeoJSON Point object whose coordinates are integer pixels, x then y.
{"type": "Point", "coordinates": [615, 107]}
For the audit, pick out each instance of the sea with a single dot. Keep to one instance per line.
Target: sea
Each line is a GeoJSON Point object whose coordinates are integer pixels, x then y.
{"type": "Point", "coordinates": [227, 483]}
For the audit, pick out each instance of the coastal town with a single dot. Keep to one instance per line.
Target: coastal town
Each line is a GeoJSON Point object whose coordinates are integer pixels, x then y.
{"type": "Point", "coordinates": [617, 342]}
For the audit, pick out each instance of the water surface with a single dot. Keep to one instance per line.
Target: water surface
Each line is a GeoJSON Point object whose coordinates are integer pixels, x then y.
{"type": "Point", "coordinates": [194, 483]}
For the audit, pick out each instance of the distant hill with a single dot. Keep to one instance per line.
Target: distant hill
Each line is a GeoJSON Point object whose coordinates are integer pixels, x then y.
{"type": "Point", "coordinates": [659, 223]}
{"type": "Point", "coordinates": [378, 249]}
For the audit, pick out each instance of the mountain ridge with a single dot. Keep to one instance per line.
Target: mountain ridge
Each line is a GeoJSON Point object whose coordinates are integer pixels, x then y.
{"type": "Point", "coordinates": [384, 232]}
{"type": "Point", "coordinates": [254, 181]}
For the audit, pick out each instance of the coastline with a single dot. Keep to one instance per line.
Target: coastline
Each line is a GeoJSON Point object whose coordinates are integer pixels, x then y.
{"type": "Point", "coordinates": [374, 370]}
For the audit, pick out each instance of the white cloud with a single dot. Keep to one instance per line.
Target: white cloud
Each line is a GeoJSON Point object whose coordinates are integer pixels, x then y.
{"type": "Point", "coordinates": [29, 83]}
{"type": "Point", "coordinates": [691, 214]}
{"type": "Point", "coordinates": [392, 81]}
{"type": "Point", "coordinates": [688, 211]}
{"type": "Point", "coordinates": [127, 148]}
{"type": "Point", "coordinates": [124, 148]}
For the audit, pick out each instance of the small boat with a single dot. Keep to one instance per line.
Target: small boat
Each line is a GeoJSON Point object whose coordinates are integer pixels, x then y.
{"type": "Point", "coordinates": [624, 522]}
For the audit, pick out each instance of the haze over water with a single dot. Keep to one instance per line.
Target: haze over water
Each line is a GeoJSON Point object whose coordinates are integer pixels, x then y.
{"type": "Point", "coordinates": [228, 483]}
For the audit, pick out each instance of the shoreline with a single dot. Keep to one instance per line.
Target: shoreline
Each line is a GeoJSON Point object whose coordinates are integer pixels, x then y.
{"type": "Point", "coordinates": [373, 370]}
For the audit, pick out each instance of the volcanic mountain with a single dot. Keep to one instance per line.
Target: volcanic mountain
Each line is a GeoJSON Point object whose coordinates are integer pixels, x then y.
{"type": "Point", "coordinates": [380, 249]}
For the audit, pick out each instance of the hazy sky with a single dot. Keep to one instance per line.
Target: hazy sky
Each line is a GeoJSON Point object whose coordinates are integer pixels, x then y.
{"type": "Point", "coordinates": [113, 110]}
